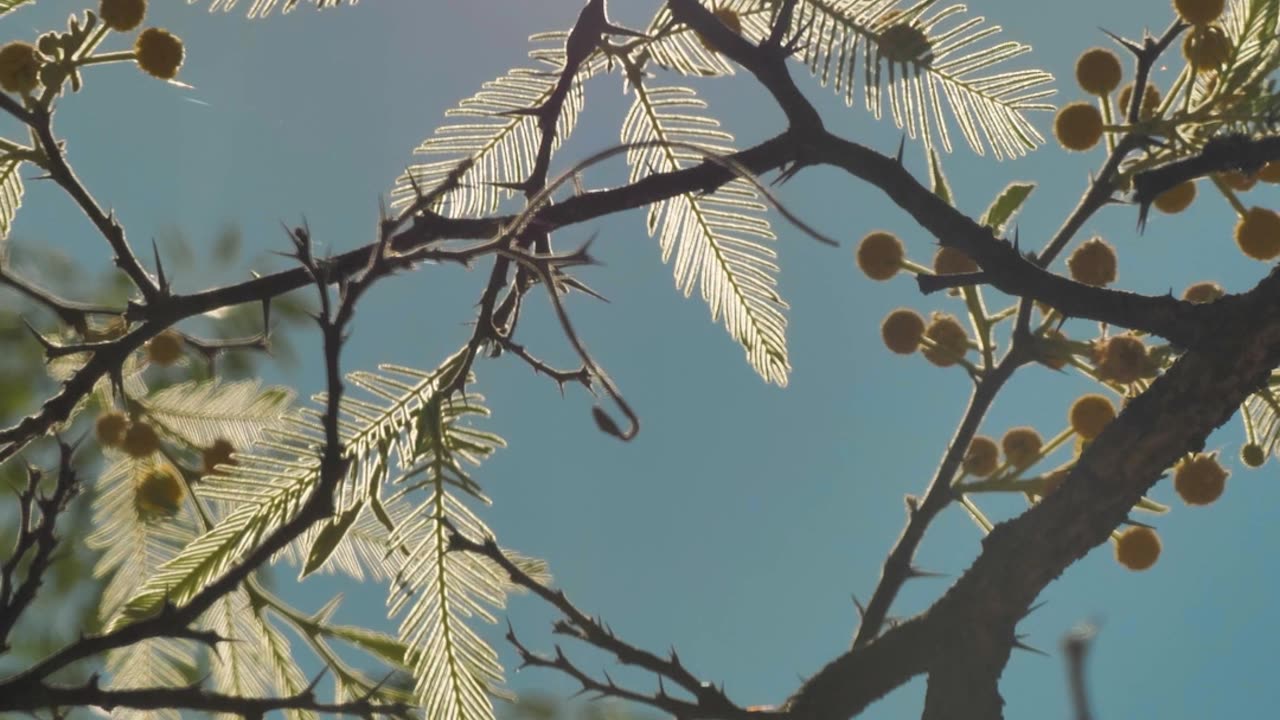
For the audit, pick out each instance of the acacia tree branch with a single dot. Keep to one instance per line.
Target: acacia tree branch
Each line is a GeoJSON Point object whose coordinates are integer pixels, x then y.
{"type": "Point", "coordinates": [41, 122]}
{"type": "Point", "coordinates": [193, 698]}
{"type": "Point", "coordinates": [174, 621]}
{"type": "Point", "coordinates": [37, 536]}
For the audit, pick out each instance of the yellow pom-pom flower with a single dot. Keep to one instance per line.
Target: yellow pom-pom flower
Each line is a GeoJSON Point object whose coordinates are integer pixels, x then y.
{"type": "Point", "coordinates": [140, 440]}
{"type": "Point", "coordinates": [1177, 198]}
{"type": "Point", "coordinates": [1270, 173]}
{"type": "Point", "coordinates": [1122, 359]}
{"type": "Point", "coordinates": [1078, 126]}
{"type": "Point", "coordinates": [1237, 180]}
{"type": "Point", "coordinates": [19, 67]}
{"type": "Point", "coordinates": [880, 255]}
{"type": "Point", "coordinates": [950, 341]}
{"type": "Point", "coordinates": [949, 261]}
{"type": "Point", "coordinates": [1200, 479]}
{"type": "Point", "coordinates": [159, 492]}
{"type": "Point", "coordinates": [1206, 48]}
{"type": "Point", "coordinates": [1252, 455]}
{"type": "Point", "coordinates": [1093, 263]}
{"type": "Point", "coordinates": [1150, 101]}
{"type": "Point", "coordinates": [110, 428]}
{"type": "Point", "coordinates": [159, 53]}
{"type": "Point", "coordinates": [1021, 446]}
{"type": "Point", "coordinates": [982, 457]}
{"type": "Point", "coordinates": [1258, 233]}
{"type": "Point", "coordinates": [219, 453]}
{"type": "Point", "coordinates": [1203, 292]}
{"type": "Point", "coordinates": [1090, 414]}
{"type": "Point", "coordinates": [902, 330]}
{"type": "Point", "coordinates": [1199, 12]}
{"type": "Point", "coordinates": [122, 15]}
{"type": "Point", "coordinates": [1098, 71]}
{"type": "Point", "coordinates": [165, 349]}
{"type": "Point", "coordinates": [1138, 548]}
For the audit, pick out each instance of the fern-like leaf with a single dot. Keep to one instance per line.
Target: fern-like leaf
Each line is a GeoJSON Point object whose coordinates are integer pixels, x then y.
{"type": "Point", "coordinates": [923, 58]}
{"type": "Point", "coordinates": [238, 667]}
{"type": "Point", "coordinates": [10, 183]}
{"type": "Point", "coordinates": [455, 670]}
{"type": "Point", "coordinates": [202, 412]}
{"type": "Point", "coordinates": [716, 237]}
{"type": "Point", "coordinates": [8, 6]}
{"type": "Point", "coordinates": [263, 8]}
{"type": "Point", "coordinates": [502, 147]}
{"type": "Point", "coordinates": [269, 484]}
{"type": "Point", "coordinates": [133, 546]}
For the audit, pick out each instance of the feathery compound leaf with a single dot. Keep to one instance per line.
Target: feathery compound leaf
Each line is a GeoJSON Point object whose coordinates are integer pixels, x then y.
{"type": "Point", "coordinates": [502, 147]}
{"type": "Point", "coordinates": [10, 185]}
{"type": "Point", "coordinates": [7, 6]}
{"type": "Point", "coordinates": [455, 670]}
{"type": "Point", "coordinates": [263, 8]}
{"type": "Point", "coordinates": [679, 48]}
{"type": "Point", "coordinates": [919, 55]}
{"type": "Point", "coordinates": [203, 412]}
{"type": "Point", "coordinates": [715, 237]}
{"type": "Point", "coordinates": [133, 546]}
{"type": "Point", "coordinates": [267, 486]}
{"type": "Point", "coordinates": [238, 667]}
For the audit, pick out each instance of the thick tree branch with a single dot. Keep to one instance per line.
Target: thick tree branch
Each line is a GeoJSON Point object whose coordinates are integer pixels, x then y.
{"type": "Point", "coordinates": [192, 698]}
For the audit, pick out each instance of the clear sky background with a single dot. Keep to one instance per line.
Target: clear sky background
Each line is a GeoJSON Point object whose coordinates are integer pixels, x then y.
{"type": "Point", "coordinates": [743, 517]}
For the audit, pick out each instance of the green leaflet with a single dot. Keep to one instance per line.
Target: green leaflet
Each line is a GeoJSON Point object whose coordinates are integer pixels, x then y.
{"type": "Point", "coordinates": [715, 241]}
{"type": "Point", "coordinates": [1006, 205]}
{"type": "Point", "coordinates": [327, 541]}
{"type": "Point", "coordinates": [938, 181]}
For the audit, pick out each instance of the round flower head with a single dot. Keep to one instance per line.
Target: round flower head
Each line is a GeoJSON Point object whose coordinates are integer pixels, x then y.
{"type": "Point", "coordinates": [982, 457]}
{"type": "Point", "coordinates": [1122, 359]}
{"type": "Point", "coordinates": [160, 492]}
{"type": "Point", "coordinates": [880, 255]}
{"type": "Point", "coordinates": [1150, 101]}
{"type": "Point", "coordinates": [949, 261]}
{"type": "Point", "coordinates": [159, 53]}
{"type": "Point", "coordinates": [219, 453]}
{"type": "Point", "coordinates": [1203, 292]}
{"type": "Point", "coordinates": [140, 440]}
{"type": "Point", "coordinates": [1206, 48]}
{"type": "Point", "coordinates": [1198, 12]}
{"type": "Point", "coordinates": [902, 330]}
{"type": "Point", "coordinates": [1021, 446]}
{"type": "Point", "coordinates": [950, 340]}
{"type": "Point", "coordinates": [1093, 263]}
{"type": "Point", "coordinates": [1270, 173]}
{"type": "Point", "coordinates": [903, 42]}
{"type": "Point", "coordinates": [165, 349]}
{"type": "Point", "coordinates": [1199, 479]}
{"type": "Point", "coordinates": [1252, 455]}
{"type": "Point", "coordinates": [729, 19]}
{"type": "Point", "coordinates": [122, 15]}
{"type": "Point", "coordinates": [1177, 198]}
{"type": "Point", "coordinates": [1053, 480]}
{"type": "Point", "coordinates": [1138, 548]}
{"type": "Point", "coordinates": [1090, 414]}
{"type": "Point", "coordinates": [110, 428]}
{"type": "Point", "coordinates": [1098, 71]}
{"type": "Point", "coordinates": [19, 67]}
{"type": "Point", "coordinates": [1078, 126]}
{"type": "Point", "coordinates": [1237, 180]}
{"type": "Point", "coordinates": [1053, 350]}
{"type": "Point", "coordinates": [1258, 233]}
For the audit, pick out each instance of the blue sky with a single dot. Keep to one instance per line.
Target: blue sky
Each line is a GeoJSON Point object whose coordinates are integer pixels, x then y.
{"type": "Point", "coordinates": [741, 520]}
